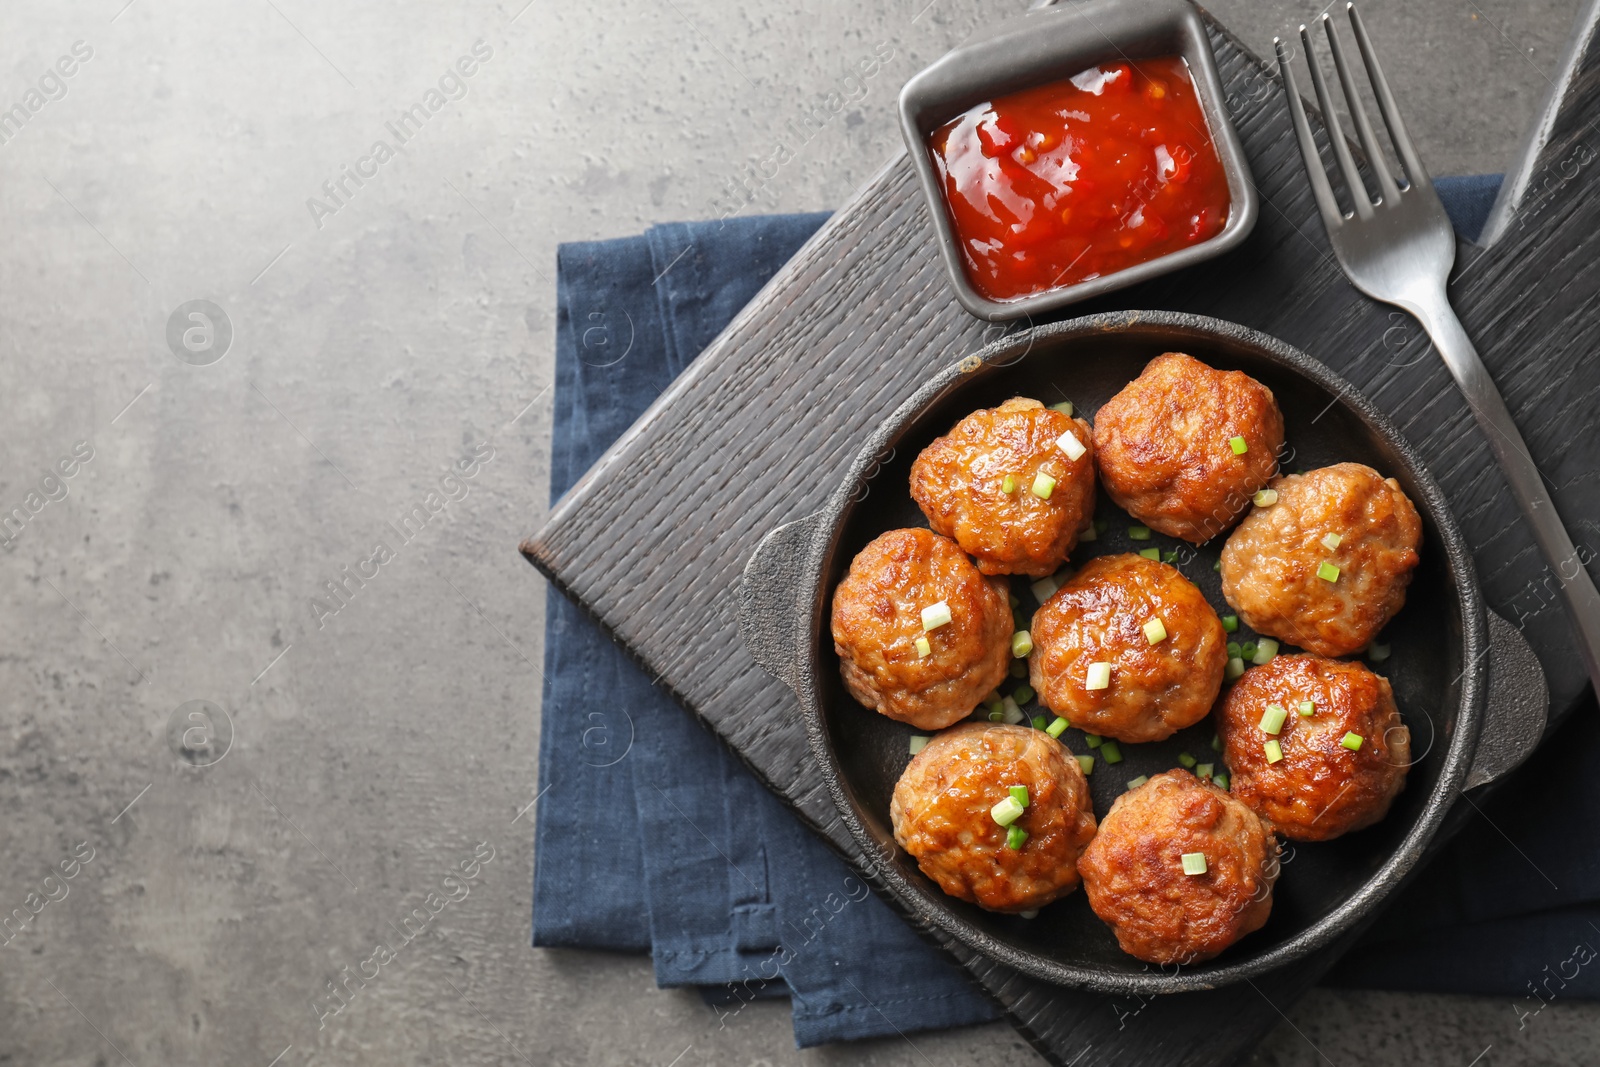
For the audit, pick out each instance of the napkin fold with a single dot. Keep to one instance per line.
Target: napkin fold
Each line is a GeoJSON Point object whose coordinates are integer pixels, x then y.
{"type": "Point", "coordinates": [696, 863]}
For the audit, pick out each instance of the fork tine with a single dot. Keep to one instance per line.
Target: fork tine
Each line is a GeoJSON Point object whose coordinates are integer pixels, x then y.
{"type": "Point", "coordinates": [1416, 173]}
{"type": "Point", "coordinates": [1332, 217]}
{"type": "Point", "coordinates": [1359, 196]}
{"type": "Point", "coordinates": [1358, 112]}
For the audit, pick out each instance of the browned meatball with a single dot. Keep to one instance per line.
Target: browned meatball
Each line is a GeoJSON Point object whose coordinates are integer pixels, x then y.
{"type": "Point", "coordinates": [959, 482]}
{"type": "Point", "coordinates": [941, 815]}
{"type": "Point", "coordinates": [1347, 516]}
{"type": "Point", "coordinates": [1162, 445]}
{"type": "Point", "coordinates": [1320, 788]}
{"type": "Point", "coordinates": [1155, 688]}
{"type": "Point", "coordinates": [1134, 876]}
{"type": "Point", "coordinates": [878, 617]}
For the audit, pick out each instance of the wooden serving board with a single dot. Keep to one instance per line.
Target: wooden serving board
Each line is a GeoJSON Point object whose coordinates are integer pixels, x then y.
{"type": "Point", "coordinates": [863, 314]}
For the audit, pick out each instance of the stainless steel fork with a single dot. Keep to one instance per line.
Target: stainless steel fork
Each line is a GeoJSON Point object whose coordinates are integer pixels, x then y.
{"type": "Point", "coordinates": [1399, 248]}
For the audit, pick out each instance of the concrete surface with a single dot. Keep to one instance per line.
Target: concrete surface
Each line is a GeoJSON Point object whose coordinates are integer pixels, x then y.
{"type": "Point", "coordinates": [379, 737]}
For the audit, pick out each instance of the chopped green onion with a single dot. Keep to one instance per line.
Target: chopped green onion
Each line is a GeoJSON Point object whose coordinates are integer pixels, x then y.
{"type": "Point", "coordinates": [1217, 566]}
{"type": "Point", "coordinates": [1248, 650]}
{"type": "Point", "coordinates": [993, 702]}
{"type": "Point", "coordinates": [1098, 676]}
{"type": "Point", "coordinates": [1135, 783]}
{"type": "Point", "coordinates": [1021, 643]}
{"type": "Point", "coordinates": [1023, 694]}
{"type": "Point", "coordinates": [1065, 407]}
{"type": "Point", "coordinates": [1352, 741]}
{"type": "Point", "coordinates": [935, 616]}
{"type": "Point", "coordinates": [1266, 648]}
{"type": "Point", "coordinates": [1151, 553]}
{"type": "Point", "coordinates": [1230, 623]}
{"type": "Point", "coordinates": [1069, 443]}
{"type": "Point", "coordinates": [1093, 740]}
{"type": "Point", "coordinates": [996, 716]}
{"type": "Point", "coordinates": [1273, 750]}
{"type": "Point", "coordinates": [1377, 653]}
{"type": "Point", "coordinates": [1194, 863]}
{"type": "Point", "coordinates": [1155, 631]}
{"type": "Point", "coordinates": [1235, 650]}
{"type": "Point", "coordinates": [1008, 485]}
{"type": "Point", "coordinates": [1006, 812]}
{"type": "Point", "coordinates": [1087, 534]}
{"type": "Point", "coordinates": [1015, 836]}
{"type": "Point", "coordinates": [1328, 572]}
{"type": "Point", "coordinates": [1043, 589]}
{"type": "Point", "coordinates": [1216, 742]}
{"type": "Point", "coordinates": [1086, 764]}
{"type": "Point", "coordinates": [1169, 556]}
{"type": "Point", "coordinates": [1239, 445]}
{"type": "Point", "coordinates": [918, 743]}
{"type": "Point", "coordinates": [1058, 727]}
{"type": "Point", "coordinates": [1204, 770]}
{"type": "Point", "coordinates": [1138, 533]}
{"type": "Point", "coordinates": [1102, 525]}
{"type": "Point", "coordinates": [1019, 793]}
{"type": "Point", "coordinates": [1187, 760]}
{"type": "Point", "coordinates": [1031, 913]}
{"type": "Point", "coordinates": [1235, 667]}
{"type": "Point", "coordinates": [1265, 498]}
{"type": "Point", "coordinates": [1331, 541]}
{"type": "Point", "coordinates": [924, 649]}
{"type": "Point", "coordinates": [1110, 752]}
{"type": "Point", "coordinates": [1039, 722]}
{"type": "Point", "coordinates": [1043, 485]}
{"type": "Point", "coordinates": [1220, 780]}
{"type": "Point", "coordinates": [1010, 713]}
{"type": "Point", "coordinates": [1307, 708]}
{"type": "Point", "coordinates": [1273, 719]}
{"type": "Point", "coordinates": [1019, 668]}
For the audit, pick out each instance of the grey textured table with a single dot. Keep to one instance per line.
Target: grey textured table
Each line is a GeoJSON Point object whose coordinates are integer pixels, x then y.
{"type": "Point", "coordinates": [375, 746]}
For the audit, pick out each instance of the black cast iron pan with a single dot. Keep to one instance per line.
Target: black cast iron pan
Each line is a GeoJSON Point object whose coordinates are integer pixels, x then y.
{"type": "Point", "coordinates": [1442, 651]}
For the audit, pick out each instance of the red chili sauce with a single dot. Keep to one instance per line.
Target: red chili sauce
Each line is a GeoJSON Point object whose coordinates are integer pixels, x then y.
{"type": "Point", "coordinates": [1080, 178]}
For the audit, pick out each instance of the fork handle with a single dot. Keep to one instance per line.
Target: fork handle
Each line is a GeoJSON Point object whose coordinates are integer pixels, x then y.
{"type": "Point", "coordinates": [1433, 310]}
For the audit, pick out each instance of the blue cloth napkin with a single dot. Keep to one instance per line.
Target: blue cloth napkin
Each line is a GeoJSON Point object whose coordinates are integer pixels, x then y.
{"type": "Point", "coordinates": [724, 887]}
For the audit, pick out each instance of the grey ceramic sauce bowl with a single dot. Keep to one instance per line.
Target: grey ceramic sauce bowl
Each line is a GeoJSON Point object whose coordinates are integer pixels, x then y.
{"type": "Point", "coordinates": [1052, 45]}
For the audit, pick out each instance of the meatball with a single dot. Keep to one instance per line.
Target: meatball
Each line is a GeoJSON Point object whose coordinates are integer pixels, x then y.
{"type": "Point", "coordinates": [941, 812]}
{"type": "Point", "coordinates": [1100, 616]}
{"type": "Point", "coordinates": [1327, 565]}
{"type": "Point", "coordinates": [1135, 878]}
{"type": "Point", "coordinates": [878, 617]}
{"type": "Point", "coordinates": [960, 482]}
{"type": "Point", "coordinates": [1320, 786]}
{"type": "Point", "coordinates": [1166, 445]}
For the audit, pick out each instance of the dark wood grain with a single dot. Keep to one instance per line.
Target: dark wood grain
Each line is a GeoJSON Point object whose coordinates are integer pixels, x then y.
{"type": "Point", "coordinates": [862, 314]}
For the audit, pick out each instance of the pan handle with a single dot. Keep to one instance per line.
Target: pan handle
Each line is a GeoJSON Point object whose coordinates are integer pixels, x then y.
{"type": "Point", "coordinates": [771, 615]}
{"type": "Point", "coordinates": [1518, 704]}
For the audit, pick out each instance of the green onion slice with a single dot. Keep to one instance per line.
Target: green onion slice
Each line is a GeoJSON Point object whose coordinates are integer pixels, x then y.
{"type": "Point", "coordinates": [1155, 631]}
{"type": "Point", "coordinates": [1043, 590]}
{"type": "Point", "coordinates": [1273, 750]}
{"type": "Point", "coordinates": [1006, 812]}
{"type": "Point", "coordinates": [1273, 718]}
{"type": "Point", "coordinates": [1235, 649]}
{"type": "Point", "coordinates": [1239, 445]}
{"type": "Point", "coordinates": [1377, 653]}
{"type": "Point", "coordinates": [1065, 407]}
{"type": "Point", "coordinates": [1009, 485]}
{"type": "Point", "coordinates": [1135, 783]}
{"type": "Point", "coordinates": [1328, 572]}
{"type": "Point", "coordinates": [1086, 764]}
{"type": "Point", "coordinates": [1098, 676]}
{"type": "Point", "coordinates": [1187, 760]}
{"type": "Point", "coordinates": [1230, 623]}
{"type": "Point", "coordinates": [1266, 648]}
{"type": "Point", "coordinates": [1235, 667]}
{"type": "Point", "coordinates": [1023, 694]}
{"type": "Point", "coordinates": [996, 716]}
{"type": "Point", "coordinates": [1331, 541]}
{"type": "Point", "coordinates": [1110, 752]}
{"type": "Point", "coordinates": [1057, 728]}
{"type": "Point", "coordinates": [1307, 708]}
{"type": "Point", "coordinates": [1216, 742]}
{"type": "Point", "coordinates": [1039, 722]}
{"type": "Point", "coordinates": [1151, 553]}
{"type": "Point", "coordinates": [1352, 741]}
{"type": "Point", "coordinates": [1011, 714]}
{"type": "Point", "coordinates": [1265, 498]}
{"type": "Point", "coordinates": [1093, 740]}
{"type": "Point", "coordinates": [1169, 556]}
{"type": "Point", "coordinates": [1220, 780]}
{"type": "Point", "coordinates": [1138, 533]}
{"type": "Point", "coordinates": [1015, 836]}
{"type": "Point", "coordinates": [918, 743]}
{"type": "Point", "coordinates": [1069, 443]}
{"type": "Point", "coordinates": [935, 616]}
{"type": "Point", "coordinates": [1204, 770]}
{"type": "Point", "coordinates": [924, 649]}
{"type": "Point", "coordinates": [1021, 643]}
{"type": "Point", "coordinates": [1019, 793]}
{"type": "Point", "coordinates": [1194, 863]}
{"type": "Point", "coordinates": [1043, 485]}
